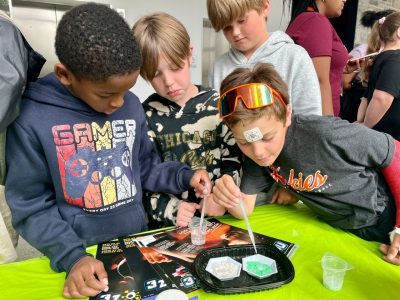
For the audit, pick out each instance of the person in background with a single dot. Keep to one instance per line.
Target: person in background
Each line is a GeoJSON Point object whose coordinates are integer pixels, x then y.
{"type": "Point", "coordinates": [244, 24]}
{"type": "Point", "coordinates": [310, 28]}
{"type": "Point", "coordinates": [346, 173]}
{"type": "Point", "coordinates": [382, 112]}
{"type": "Point", "coordinates": [182, 118]}
{"type": "Point", "coordinates": [19, 64]}
{"type": "Point", "coordinates": [86, 156]}
{"type": "Point", "coordinates": [355, 84]}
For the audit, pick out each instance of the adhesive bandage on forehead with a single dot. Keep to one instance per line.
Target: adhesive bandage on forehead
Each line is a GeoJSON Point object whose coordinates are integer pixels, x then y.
{"type": "Point", "coordinates": [253, 135]}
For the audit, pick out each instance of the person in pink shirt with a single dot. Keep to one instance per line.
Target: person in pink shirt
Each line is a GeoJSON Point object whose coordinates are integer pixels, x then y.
{"type": "Point", "coordinates": [310, 28]}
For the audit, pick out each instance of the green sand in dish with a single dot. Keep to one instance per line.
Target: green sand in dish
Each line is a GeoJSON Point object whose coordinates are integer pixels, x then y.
{"type": "Point", "coordinates": [258, 268]}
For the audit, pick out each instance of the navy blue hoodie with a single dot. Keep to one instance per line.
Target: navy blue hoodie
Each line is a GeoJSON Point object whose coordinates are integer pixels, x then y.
{"type": "Point", "coordinates": [76, 176]}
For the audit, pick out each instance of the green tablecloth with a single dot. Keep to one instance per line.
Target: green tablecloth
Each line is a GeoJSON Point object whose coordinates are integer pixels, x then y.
{"type": "Point", "coordinates": [371, 278]}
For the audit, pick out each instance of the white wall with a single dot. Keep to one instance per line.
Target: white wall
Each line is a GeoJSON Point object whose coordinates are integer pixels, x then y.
{"type": "Point", "coordinates": [276, 20]}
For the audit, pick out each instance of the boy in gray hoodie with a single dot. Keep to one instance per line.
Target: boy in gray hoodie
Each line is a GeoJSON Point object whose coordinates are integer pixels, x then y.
{"type": "Point", "coordinates": [243, 23]}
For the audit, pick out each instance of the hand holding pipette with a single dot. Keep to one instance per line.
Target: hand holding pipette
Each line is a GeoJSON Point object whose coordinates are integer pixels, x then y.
{"type": "Point", "coordinates": [227, 194]}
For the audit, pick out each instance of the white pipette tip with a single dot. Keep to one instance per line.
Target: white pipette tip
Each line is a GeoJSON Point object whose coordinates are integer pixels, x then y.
{"type": "Point", "coordinates": [246, 219]}
{"type": "Point", "coordinates": [203, 210]}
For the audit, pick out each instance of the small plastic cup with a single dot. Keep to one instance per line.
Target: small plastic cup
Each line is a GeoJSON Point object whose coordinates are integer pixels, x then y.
{"type": "Point", "coordinates": [334, 269]}
{"type": "Point", "coordinates": [197, 234]}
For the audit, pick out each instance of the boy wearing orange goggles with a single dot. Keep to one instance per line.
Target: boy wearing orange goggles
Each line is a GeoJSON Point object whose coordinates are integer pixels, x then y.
{"type": "Point", "coordinates": [338, 169]}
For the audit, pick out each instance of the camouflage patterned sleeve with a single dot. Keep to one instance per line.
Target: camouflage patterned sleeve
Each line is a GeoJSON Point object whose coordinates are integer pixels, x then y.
{"type": "Point", "coordinates": [231, 156]}
{"type": "Point", "coordinates": [161, 208]}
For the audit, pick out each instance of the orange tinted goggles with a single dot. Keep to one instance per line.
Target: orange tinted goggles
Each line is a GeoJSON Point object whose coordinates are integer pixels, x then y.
{"type": "Point", "coordinates": [253, 95]}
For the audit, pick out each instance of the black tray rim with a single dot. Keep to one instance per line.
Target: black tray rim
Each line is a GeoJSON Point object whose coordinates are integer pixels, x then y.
{"type": "Point", "coordinates": [253, 288]}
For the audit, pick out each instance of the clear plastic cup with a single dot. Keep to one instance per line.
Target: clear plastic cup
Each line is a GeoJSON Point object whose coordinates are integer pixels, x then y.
{"type": "Point", "coordinates": [197, 234]}
{"type": "Point", "coordinates": [334, 269]}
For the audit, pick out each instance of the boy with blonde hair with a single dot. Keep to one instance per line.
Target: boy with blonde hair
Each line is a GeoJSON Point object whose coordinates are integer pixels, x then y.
{"type": "Point", "coordinates": [345, 173]}
{"type": "Point", "coordinates": [243, 23]}
{"type": "Point", "coordinates": [182, 117]}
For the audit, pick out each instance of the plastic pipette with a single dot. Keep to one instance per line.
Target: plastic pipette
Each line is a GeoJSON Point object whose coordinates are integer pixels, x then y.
{"type": "Point", "coordinates": [202, 211]}
{"type": "Point", "coordinates": [246, 219]}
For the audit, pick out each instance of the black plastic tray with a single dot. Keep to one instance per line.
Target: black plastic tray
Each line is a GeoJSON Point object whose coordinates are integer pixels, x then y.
{"type": "Point", "coordinates": [244, 283]}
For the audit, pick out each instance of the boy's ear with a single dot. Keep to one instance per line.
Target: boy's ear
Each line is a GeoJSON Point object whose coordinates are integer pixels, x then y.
{"type": "Point", "coordinates": [190, 55]}
{"type": "Point", "coordinates": [398, 33]}
{"type": "Point", "coordinates": [63, 74]}
{"type": "Point", "coordinates": [267, 8]}
{"type": "Point", "coordinates": [288, 115]}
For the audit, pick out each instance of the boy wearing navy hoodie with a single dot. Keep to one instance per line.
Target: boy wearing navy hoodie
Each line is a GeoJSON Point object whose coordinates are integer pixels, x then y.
{"type": "Point", "coordinates": [78, 155]}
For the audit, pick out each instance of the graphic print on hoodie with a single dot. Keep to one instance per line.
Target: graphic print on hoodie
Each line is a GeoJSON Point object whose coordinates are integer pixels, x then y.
{"type": "Point", "coordinates": [76, 175]}
{"type": "Point", "coordinates": [94, 162]}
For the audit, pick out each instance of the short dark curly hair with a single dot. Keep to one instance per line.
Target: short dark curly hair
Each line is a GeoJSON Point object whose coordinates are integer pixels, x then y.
{"type": "Point", "coordinates": [94, 42]}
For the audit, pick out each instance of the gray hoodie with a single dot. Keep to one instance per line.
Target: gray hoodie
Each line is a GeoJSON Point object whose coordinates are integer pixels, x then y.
{"type": "Point", "coordinates": [291, 61]}
{"type": "Point", "coordinates": [14, 65]}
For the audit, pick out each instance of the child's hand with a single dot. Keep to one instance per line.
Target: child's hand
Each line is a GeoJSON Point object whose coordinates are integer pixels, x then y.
{"type": "Point", "coordinates": [354, 65]}
{"type": "Point", "coordinates": [392, 252]}
{"type": "Point", "coordinates": [186, 212]}
{"type": "Point", "coordinates": [225, 192]}
{"type": "Point", "coordinates": [212, 208]}
{"type": "Point", "coordinates": [201, 183]}
{"type": "Point", "coordinates": [283, 196]}
{"type": "Point", "coordinates": [82, 282]}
